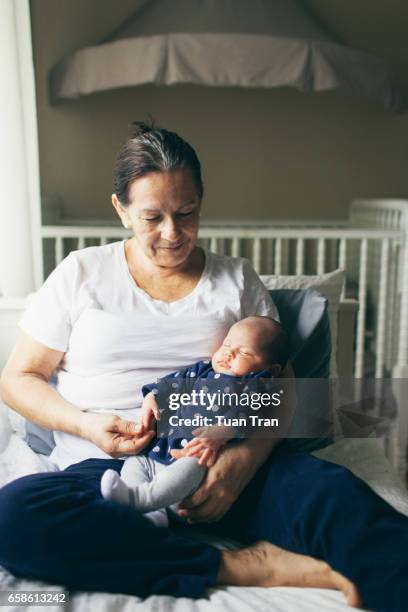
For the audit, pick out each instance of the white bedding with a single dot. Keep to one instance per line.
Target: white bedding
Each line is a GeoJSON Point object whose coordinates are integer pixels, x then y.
{"type": "Point", "coordinates": [364, 457]}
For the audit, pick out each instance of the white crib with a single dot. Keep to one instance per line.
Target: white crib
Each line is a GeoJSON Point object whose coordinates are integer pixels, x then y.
{"type": "Point", "coordinates": [371, 246]}
{"type": "Point", "coordinates": [372, 252]}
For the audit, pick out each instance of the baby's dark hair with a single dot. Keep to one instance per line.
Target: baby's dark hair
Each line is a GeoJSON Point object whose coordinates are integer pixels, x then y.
{"type": "Point", "coordinates": [276, 346]}
{"type": "Point", "coordinates": [153, 149]}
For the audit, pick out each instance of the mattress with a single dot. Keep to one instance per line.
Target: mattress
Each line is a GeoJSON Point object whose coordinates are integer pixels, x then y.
{"type": "Point", "coordinates": [364, 457]}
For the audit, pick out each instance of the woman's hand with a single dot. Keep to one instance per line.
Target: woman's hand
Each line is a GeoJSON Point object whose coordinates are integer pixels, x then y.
{"type": "Point", "coordinates": [150, 412]}
{"type": "Point", "coordinates": [222, 485]}
{"type": "Point", "coordinates": [114, 435]}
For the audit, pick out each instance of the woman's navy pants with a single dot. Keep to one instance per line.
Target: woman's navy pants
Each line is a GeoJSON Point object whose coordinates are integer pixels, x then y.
{"type": "Point", "coordinates": [56, 527]}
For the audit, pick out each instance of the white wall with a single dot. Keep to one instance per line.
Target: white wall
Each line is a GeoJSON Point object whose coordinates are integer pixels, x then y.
{"type": "Point", "coordinates": [265, 152]}
{"type": "Point", "coordinates": [20, 247]}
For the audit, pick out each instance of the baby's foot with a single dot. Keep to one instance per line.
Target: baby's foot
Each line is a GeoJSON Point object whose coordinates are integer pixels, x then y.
{"type": "Point", "coordinates": [113, 487]}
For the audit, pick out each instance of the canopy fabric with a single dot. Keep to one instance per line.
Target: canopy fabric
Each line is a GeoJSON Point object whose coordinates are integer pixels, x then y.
{"type": "Point", "coordinates": [244, 43]}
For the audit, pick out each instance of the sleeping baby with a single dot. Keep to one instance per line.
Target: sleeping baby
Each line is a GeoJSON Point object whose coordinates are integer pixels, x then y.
{"type": "Point", "coordinates": [254, 351]}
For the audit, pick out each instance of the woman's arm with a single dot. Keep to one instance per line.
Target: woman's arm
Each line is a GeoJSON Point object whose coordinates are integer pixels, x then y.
{"type": "Point", "coordinates": [225, 480]}
{"type": "Point", "coordinates": [24, 387]}
{"type": "Point", "coordinates": [236, 466]}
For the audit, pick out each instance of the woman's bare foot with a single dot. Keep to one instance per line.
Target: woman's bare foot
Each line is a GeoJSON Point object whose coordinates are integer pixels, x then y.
{"type": "Point", "coordinates": [267, 565]}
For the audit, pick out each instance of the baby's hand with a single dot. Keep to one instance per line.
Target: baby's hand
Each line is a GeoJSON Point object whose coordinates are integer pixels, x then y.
{"type": "Point", "coordinates": [150, 412]}
{"type": "Point", "coordinates": [207, 444]}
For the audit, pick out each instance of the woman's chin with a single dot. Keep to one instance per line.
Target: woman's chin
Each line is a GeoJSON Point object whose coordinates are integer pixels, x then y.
{"type": "Point", "coordinates": [171, 258]}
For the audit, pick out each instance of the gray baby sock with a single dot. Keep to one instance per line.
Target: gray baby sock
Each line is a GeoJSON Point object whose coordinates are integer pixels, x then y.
{"type": "Point", "coordinates": [114, 488]}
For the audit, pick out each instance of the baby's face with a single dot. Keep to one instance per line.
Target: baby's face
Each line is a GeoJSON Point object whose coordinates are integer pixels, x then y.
{"type": "Point", "coordinates": [241, 351]}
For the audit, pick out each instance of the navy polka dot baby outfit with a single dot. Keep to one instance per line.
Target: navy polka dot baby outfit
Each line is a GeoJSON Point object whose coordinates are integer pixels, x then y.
{"type": "Point", "coordinates": [200, 377]}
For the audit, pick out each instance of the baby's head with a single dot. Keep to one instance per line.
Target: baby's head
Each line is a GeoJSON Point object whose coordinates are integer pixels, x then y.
{"type": "Point", "coordinates": [252, 344]}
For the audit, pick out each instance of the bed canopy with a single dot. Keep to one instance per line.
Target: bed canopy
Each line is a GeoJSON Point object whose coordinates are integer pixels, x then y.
{"type": "Point", "coordinates": [244, 43]}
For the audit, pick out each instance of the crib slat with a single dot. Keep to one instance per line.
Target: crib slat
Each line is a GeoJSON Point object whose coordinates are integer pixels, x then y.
{"type": "Point", "coordinates": [213, 245]}
{"type": "Point", "coordinates": [362, 294]}
{"type": "Point", "coordinates": [278, 256]}
{"type": "Point", "coordinates": [381, 317]}
{"type": "Point", "coordinates": [269, 256]}
{"type": "Point", "coordinates": [321, 254]}
{"type": "Point", "coordinates": [235, 247]}
{"type": "Point", "coordinates": [103, 241]}
{"type": "Point", "coordinates": [392, 289]}
{"type": "Point", "coordinates": [343, 253]}
{"type": "Point", "coordinates": [300, 255]}
{"type": "Point", "coordinates": [342, 262]}
{"type": "Point", "coordinates": [332, 254]}
{"type": "Point", "coordinates": [256, 255]}
{"type": "Point", "coordinates": [81, 242]}
{"type": "Point", "coordinates": [205, 243]}
{"type": "Point", "coordinates": [59, 250]}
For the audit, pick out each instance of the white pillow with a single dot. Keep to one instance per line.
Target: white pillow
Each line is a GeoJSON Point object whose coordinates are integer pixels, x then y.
{"type": "Point", "coordinates": [330, 285]}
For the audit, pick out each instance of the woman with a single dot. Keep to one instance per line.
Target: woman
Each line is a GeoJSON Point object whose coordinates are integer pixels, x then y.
{"type": "Point", "coordinates": [109, 319]}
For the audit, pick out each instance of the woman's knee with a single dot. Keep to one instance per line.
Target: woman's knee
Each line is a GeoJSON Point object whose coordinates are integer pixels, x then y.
{"type": "Point", "coordinates": [12, 497]}
{"type": "Point", "coordinates": [319, 480]}
{"type": "Point", "coordinates": [340, 481]}
{"type": "Point", "coordinates": [13, 517]}
{"type": "Point", "coordinates": [339, 497]}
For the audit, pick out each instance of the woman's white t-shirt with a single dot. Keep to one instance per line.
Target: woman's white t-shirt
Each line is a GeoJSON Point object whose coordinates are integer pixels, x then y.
{"type": "Point", "coordinates": [116, 337]}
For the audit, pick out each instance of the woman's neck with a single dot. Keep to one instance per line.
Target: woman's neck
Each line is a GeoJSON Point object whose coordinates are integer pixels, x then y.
{"type": "Point", "coordinates": [164, 283]}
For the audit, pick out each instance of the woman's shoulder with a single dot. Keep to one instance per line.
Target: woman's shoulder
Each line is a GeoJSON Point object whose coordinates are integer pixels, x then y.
{"type": "Point", "coordinates": [226, 262]}
{"type": "Point", "coordinates": [85, 267]}
{"type": "Point", "coordinates": [92, 259]}
{"type": "Point", "coordinates": [238, 269]}
{"type": "Point", "coordinates": [235, 277]}
{"type": "Point", "coordinates": [94, 254]}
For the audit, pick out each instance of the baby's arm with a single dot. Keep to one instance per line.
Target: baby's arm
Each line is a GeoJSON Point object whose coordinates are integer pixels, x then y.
{"type": "Point", "coordinates": [156, 394]}
{"type": "Point", "coordinates": [152, 392]}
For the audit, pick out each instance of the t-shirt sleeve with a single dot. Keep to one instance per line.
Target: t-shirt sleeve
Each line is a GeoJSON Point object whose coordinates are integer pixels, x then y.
{"type": "Point", "coordinates": [49, 314]}
{"type": "Point", "coordinates": [255, 299]}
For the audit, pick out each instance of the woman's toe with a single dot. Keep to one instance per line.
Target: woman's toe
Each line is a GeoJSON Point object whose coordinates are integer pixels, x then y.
{"type": "Point", "coordinates": [348, 588]}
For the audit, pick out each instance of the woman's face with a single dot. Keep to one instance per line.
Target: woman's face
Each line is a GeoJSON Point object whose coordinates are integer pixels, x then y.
{"type": "Point", "coordinates": [163, 214]}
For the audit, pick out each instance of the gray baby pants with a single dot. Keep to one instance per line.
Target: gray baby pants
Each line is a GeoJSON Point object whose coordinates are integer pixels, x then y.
{"type": "Point", "coordinates": [155, 485]}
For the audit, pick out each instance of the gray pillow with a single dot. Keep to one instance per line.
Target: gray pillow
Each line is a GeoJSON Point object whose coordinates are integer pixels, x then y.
{"type": "Point", "coordinates": [41, 440]}
{"type": "Point", "coordinates": [38, 438]}
{"type": "Point", "coordinates": [304, 315]}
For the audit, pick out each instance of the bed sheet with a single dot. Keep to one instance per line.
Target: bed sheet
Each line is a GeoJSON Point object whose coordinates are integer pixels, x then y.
{"type": "Point", "coordinates": [364, 457]}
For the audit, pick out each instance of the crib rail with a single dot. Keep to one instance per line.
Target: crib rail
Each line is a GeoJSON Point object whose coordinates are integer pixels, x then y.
{"type": "Point", "coordinates": [388, 215]}
{"type": "Point", "coordinates": [393, 335]}
{"type": "Point", "coordinates": [278, 249]}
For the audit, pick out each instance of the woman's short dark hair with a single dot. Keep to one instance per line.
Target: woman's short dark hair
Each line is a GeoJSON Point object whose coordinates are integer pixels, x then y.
{"type": "Point", "coordinates": [153, 149]}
